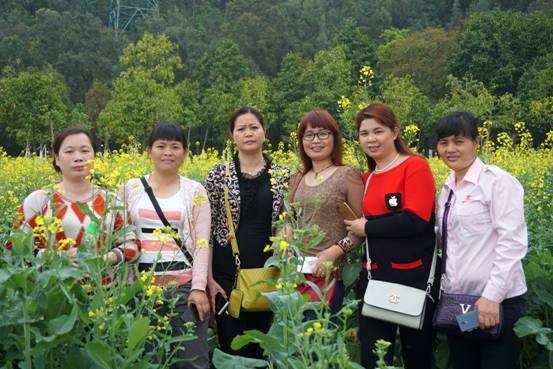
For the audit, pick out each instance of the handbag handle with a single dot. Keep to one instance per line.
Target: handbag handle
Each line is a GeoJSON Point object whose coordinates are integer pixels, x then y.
{"type": "Point", "coordinates": [230, 224]}
{"type": "Point", "coordinates": [164, 220]}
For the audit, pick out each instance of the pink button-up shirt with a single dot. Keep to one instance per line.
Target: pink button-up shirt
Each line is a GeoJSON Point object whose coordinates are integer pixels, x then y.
{"type": "Point", "coordinates": [486, 233]}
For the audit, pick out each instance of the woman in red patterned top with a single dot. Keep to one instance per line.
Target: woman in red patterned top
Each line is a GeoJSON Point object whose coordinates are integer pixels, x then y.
{"type": "Point", "coordinates": [72, 150]}
{"type": "Point", "coordinates": [399, 225]}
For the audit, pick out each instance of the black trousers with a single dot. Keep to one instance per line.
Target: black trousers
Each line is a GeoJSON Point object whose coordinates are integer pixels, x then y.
{"type": "Point", "coordinates": [501, 354]}
{"type": "Point", "coordinates": [416, 345]}
{"type": "Point", "coordinates": [229, 327]}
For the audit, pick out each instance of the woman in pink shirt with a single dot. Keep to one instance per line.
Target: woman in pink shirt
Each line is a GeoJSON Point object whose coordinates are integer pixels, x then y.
{"type": "Point", "coordinates": [179, 257]}
{"type": "Point", "coordinates": [486, 241]}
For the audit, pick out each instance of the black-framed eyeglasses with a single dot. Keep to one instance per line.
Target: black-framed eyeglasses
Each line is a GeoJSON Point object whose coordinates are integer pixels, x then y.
{"type": "Point", "coordinates": [321, 135]}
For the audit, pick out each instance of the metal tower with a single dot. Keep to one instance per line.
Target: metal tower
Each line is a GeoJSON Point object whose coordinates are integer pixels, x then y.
{"type": "Point", "coordinates": [123, 12]}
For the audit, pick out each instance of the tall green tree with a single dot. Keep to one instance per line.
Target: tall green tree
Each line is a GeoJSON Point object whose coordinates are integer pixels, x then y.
{"type": "Point", "coordinates": [422, 55]}
{"type": "Point", "coordinates": [359, 49]}
{"type": "Point", "coordinates": [496, 47]}
{"type": "Point", "coordinates": [33, 106]}
{"type": "Point", "coordinates": [327, 78]}
{"type": "Point", "coordinates": [537, 80]}
{"type": "Point", "coordinates": [143, 93]}
{"type": "Point", "coordinates": [222, 67]}
{"type": "Point", "coordinates": [287, 88]}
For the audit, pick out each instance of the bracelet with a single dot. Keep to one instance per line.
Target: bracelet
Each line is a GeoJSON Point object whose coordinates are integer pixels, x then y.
{"type": "Point", "coordinates": [346, 244]}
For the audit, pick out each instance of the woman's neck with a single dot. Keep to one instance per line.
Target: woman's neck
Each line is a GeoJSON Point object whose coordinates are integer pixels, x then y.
{"type": "Point", "coordinates": [251, 160]}
{"type": "Point", "coordinates": [76, 190]}
{"type": "Point", "coordinates": [388, 160]}
{"type": "Point", "coordinates": [163, 180]}
{"type": "Point", "coordinates": [320, 165]}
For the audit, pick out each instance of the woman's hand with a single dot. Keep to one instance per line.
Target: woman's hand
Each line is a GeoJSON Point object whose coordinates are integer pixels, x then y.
{"type": "Point", "coordinates": [488, 312]}
{"type": "Point", "coordinates": [357, 226]}
{"type": "Point", "coordinates": [110, 257]}
{"type": "Point", "coordinates": [199, 299]}
{"type": "Point", "coordinates": [214, 288]}
{"type": "Point", "coordinates": [330, 254]}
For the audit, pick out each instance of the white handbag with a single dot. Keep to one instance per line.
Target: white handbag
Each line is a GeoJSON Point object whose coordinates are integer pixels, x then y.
{"type": "Point", "coordinates": [394, 302]}
{"type": "Point", "coordinates": [397, 303]}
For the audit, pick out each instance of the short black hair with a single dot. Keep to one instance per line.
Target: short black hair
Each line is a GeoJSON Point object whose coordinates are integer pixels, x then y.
{"type": "Point", "coordinates": [60, 137]}
{"type": "Point", "coordinates": [170, 131]}
{"type": "Point", "coordinates": [245, 110]}
{"type": "Point", "coordinates": [459, 123]}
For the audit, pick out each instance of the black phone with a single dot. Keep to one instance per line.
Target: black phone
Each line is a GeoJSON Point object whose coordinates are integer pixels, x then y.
{"type": "Point", "coordinates": [221, 304]}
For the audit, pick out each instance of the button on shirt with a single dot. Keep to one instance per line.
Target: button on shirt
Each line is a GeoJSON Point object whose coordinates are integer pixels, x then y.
{"type": "Point", "coordinates": [486, 233]}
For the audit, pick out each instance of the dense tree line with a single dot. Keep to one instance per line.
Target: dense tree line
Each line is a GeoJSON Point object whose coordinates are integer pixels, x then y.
{"type": "Point", "coordinates": [195, 61]}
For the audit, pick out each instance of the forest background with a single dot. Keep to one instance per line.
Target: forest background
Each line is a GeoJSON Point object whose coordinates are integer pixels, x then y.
{"type": "Point", "coordinates": [69, 62]}
{"type": "Point", "coordinates": [64, 63]}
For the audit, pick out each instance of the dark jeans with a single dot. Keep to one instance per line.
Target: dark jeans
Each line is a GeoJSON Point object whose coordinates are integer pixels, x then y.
{"type": "Point", "coordinates": [416, 345]}
{"type": "Point", "coordinates": [501, 354]}
{"type": "Point", "coordinates": [196, 352]}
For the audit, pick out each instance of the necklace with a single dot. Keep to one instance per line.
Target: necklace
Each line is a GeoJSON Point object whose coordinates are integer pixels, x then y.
{"type": "Point", "coordinates": [387, 166]}
{"type": "Point", "coordinates": [317, 173]}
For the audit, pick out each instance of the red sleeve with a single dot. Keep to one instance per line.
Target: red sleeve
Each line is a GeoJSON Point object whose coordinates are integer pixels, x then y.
{"type": "Point", "coordinates": [420, 189]}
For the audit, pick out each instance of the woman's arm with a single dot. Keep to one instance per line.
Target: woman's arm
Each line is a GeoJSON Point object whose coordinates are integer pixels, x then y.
{"type": "Point", "coordinates": [507, 214]}
{"type": "Point", "coordinates": [126, 245]}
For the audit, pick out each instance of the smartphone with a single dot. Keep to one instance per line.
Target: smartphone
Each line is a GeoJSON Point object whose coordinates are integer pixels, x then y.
{"type": "Point", "coordinates": [308, 264]}
{"type": "Point", "coordinates": [346, 212]}
{"type": "Point", "coordinates": [221, 304]}
{"type": "Point", "coordinates": [469, 321]}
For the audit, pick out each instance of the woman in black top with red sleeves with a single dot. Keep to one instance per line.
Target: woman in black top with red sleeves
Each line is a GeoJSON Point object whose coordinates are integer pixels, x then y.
{"type": "Point", "coordinates": [399, 225]}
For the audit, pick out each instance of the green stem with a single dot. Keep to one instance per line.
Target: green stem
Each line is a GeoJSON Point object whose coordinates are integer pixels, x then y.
{"type": "Point", "coordinates": [26, 327]}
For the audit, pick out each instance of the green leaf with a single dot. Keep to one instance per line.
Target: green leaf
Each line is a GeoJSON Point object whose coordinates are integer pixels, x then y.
{"type": "Point", "coordinates": [100, 353]}
{"type": "Point", "coordinates": [63, 324]}
{"type": "Point", "coordinates": [130, 292]}
{"type": "Point", "coordinates": [138, 332]}
{"type": "Point", "coordinates": [527, 325]}
{"type": "Point", "coordinates": [350, 273]}
{"type": "Point", "coordinates": [267, 342]}
{"type": "Point", "coordinates": [222, 360]}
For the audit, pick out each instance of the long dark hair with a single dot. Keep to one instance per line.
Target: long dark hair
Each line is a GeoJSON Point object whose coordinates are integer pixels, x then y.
{"type": "Point", "coordinates": [385, 116]}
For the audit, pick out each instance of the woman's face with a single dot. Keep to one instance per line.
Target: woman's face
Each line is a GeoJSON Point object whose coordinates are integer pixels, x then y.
{"type": "Point", "coordinates": [75, 152]}
{"type": "Point", "coordinates": [376, 139]}
{"type": "Point", "coordinates": [248, 134]}
{"type": "Point", "coordinates": [318, 143]}
{"type": "Point", "coordinates": [457, 152]}
{"type": "Point", "coordinates": [167, 155]}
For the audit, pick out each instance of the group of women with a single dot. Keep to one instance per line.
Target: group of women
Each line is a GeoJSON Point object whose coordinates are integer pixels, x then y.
{"type": "Point", "coordinates": [395, 204]}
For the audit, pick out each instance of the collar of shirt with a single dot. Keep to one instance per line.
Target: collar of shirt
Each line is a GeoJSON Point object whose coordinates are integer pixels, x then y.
{"type": "Point", "coordinates": [471, 176]}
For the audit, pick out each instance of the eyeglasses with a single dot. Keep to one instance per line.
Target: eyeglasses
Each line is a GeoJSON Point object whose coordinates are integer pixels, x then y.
{"type": "Point", "coordinates": [321, 135]}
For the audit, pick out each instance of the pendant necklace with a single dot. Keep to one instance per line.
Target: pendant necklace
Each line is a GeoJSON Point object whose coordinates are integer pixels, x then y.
{"type": "Point", "coordinates": [317, 173]}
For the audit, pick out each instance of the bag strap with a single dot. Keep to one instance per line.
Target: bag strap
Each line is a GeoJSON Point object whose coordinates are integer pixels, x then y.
{"type": "Point", "coordinates": [230, 223]}
{"type": "Point", "coordinates": [366, 240]}
{"type": "Point", "coordinates": [447, 208]}
{"type": "Point", "coordinates": [164, 220]}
